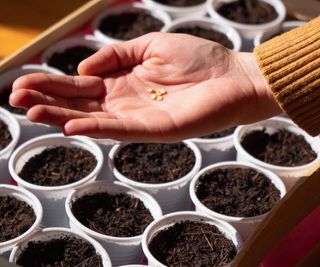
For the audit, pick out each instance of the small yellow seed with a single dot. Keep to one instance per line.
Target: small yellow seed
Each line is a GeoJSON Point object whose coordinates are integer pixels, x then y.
{"type": "Point", "coordinates": [150, 90]}
{"type": "Point", "coordinates": [153, 96]}
{"type": "Point", "coordinates": [159, 98]}
{"type": "Point", "coordinates": [162, 91]}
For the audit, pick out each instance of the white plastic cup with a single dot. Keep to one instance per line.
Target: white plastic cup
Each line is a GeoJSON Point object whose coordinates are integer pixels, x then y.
{"type": "Point", "coordinates": [210, 24]}
{"type": "Point", "coordinates": [122, 250]}
{"type": "Point", "coordinates": [289, 175]}
{"type": "Point", "coordinates": [5, 153]}
{"type": "Point", "coordinates": [172, 196]}
{"type": "Point", "coordinates": [82, 40]}
{"type": "Point", "coordinates": [248, 31]}
{"type": "Point", "coordinates": [53, 197]}
{"type": "Point", "coordinates": [28, 129]}
{"type": "Point", "coordinates": [196, 11]}
{"type": "Point", "coordinates": [286, 26]}
{"type": "Point", "coordinates": [215, 150]}
{"type": "Point", "coordinates": [244, 225]}
{"type": "Point", "coordinates": [55, 233]}
{"type": "Point", "coordinates": [123, 8]}
{"type": "Point", "coordinates": [170, 219]}
{"type": "Point", "coordinates": [25, 196]}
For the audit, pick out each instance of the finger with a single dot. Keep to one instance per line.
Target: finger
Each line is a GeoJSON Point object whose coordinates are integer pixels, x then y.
{"type": "Point", "coordinates": [116, 57]}
{"type": "Point", "coordinates": [24, 98]}
{"type": "Point", "coordinates": [117, 129]}
{"type": "Point", "coordinates": [62, 85]}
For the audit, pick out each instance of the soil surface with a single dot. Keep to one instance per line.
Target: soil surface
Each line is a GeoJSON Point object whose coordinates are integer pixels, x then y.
{"type": "Point", "coordinates": [118, 215]}
{"type": "Point", "coordinates": [208, 34]}
{"type": "Point", "coordinates": [219, 134]}
{"type": "Point", "coordinates": [16, 217]}
{"type": "Point", "coordinates": [68, 60]}
{"type": "Point", "coordinates": [282, 148]}
{"type": "Point", "coordinates": [5, 135]}
{"type": "Point", "coordinates": [129, 25]}
{"type": "Point", "coordinates": [240, 192]}
{"type": "Point", "coordinates": [180, 3]}
{"type": "Point", "coordinates": [248, 11]}
{"type": "Point", "coordinates": [155, 163]}
{"type": "Point", "coordinates": [58, 166]}
{"type": "Point", "coordinates": [192, 244]}
{"type": "Point", "coordinates": [66, 251]}
{"type": "Point", "coordinates": [4, 102]}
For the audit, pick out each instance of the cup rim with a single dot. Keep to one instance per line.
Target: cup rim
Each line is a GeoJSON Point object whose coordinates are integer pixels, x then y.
{"type": "Point", "coordinates": [87, 40]}
{"type": "Point", "coordinates": [15, 135]}
{"type": "Point", "coordinates": [183, 216]}
{"type": "Point", "coordinates": [197, 165]}
{"type": "Point", "coordinates": [36, 207]}
{"type": "Point", "coordinates": [275, 179]}
{"type": "Point", "coordinates": [287, 123]}
{"type": "Point", "coordinates": [286, 26]}
{"type": "Point", "coordinates": [170, 8]}
{"type": "Point", "coordinates": [277, 4]}
{"type": "Point", "coordinates": [231, 33]}
{"type": "Point", "coordinates": [65, 231]}
{"type": "Point", "coordinates": [120, 8]}
{"type": "Point", "coordinates": [141, 195]}
{"type": "Point", "coordinates": [95, 150]}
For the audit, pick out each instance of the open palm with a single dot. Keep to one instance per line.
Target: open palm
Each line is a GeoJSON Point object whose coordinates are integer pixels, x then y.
{"type": "Point", "coordinates": [208, 88]}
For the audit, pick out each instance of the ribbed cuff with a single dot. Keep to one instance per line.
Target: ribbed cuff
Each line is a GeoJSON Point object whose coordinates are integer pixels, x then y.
{"type": "Point", "coordinates": [290, 64]}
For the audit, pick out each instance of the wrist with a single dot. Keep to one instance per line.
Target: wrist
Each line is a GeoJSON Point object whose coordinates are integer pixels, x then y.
{"type": "Point", "coordinates": [265, 100]}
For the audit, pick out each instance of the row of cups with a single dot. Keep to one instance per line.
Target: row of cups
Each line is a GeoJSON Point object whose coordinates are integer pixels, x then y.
{"type": "Point", "coordinates": [258, 33]}
{"type": "Point", "coordinates": [114, 251]}
{"type": "Point", "coordinates": [241, 35]}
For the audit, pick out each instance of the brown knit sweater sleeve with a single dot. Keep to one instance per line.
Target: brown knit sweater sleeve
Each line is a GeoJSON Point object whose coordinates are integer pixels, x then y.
{"type": "Point", "coordinates": [290, 64]}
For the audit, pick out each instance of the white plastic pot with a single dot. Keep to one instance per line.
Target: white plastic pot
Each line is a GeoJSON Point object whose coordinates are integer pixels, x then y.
{"type": "Point", "coordinates": [53, 197]}
{"type": "Point", "coordinates": [124, 8]}
{"type": "Point", "coordinates": [215, 150]}
{"type": "Point", "coordinates": [33, 202]}
{"type": "Point", "coordinates": [209, 24]}
{"type": "Point", "coordinates": [14, 129]}
{"type": "Point", "coordinates": [83, 40]}
{"type": "Point", "coordinates": [55, 233]}
{"type": "Point", "coordinates": [122, 250]}
{"type": "Point", "coordinates": [289, 175]}
{"type": "Point", "coordinates": [244, 225]}
{"type": "Point", "coordinates": [170, 219]}
{"type": "Point", "coordinates": [248, 31]}
{"type": "Point", "coordinates": [172, 196]}
{"type": "Point", "coordinates": [286, 26]}
{"type": "Point", "coordinates": [195, 11]}
{"type": "Point", "coordinates": [28, 129]}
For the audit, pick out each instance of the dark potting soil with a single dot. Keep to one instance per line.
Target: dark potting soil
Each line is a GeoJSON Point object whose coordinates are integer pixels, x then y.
{"type": "Point", "coordinates": [248, 11]}
{"type": "Point", "coordinates": [129, 25]}
{"type": "Point", "coordinates": [5, 135]}
{"type": "Point", "coordinates": [118, 215]}
{"type": "Point", "coordinates": [16, 217]}
{"type": "Point", "coordinates": [192, 244]}
{"type": "Point", "coordinates": [155, 163]}
{"type": "Point", "coordinates": [241, 192]}
{"type": "Point", "coordinates": [181, 3]}
{"type": "Point", "coordinates": [219, 134]}
{"type": "Point", "coordinates": [67, 251]}
{"type": "Point", "coordinates": [4, 102]}
{"type": "Point", "coordinates": [68, 60]}
{"type": "Point", "coordinates": [282, 148]}
{"type": "Point", "coordinates": [208, 34]}
{"type": "Point", "coordinates": [58, 166]}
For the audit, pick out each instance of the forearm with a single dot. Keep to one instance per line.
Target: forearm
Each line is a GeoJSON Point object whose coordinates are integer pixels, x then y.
{"type": "Point", "coordinates": [290, 65]}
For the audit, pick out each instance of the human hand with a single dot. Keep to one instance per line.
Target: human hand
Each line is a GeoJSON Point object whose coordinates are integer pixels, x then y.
{"type": "Point", "coordinates": [208, 88]}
